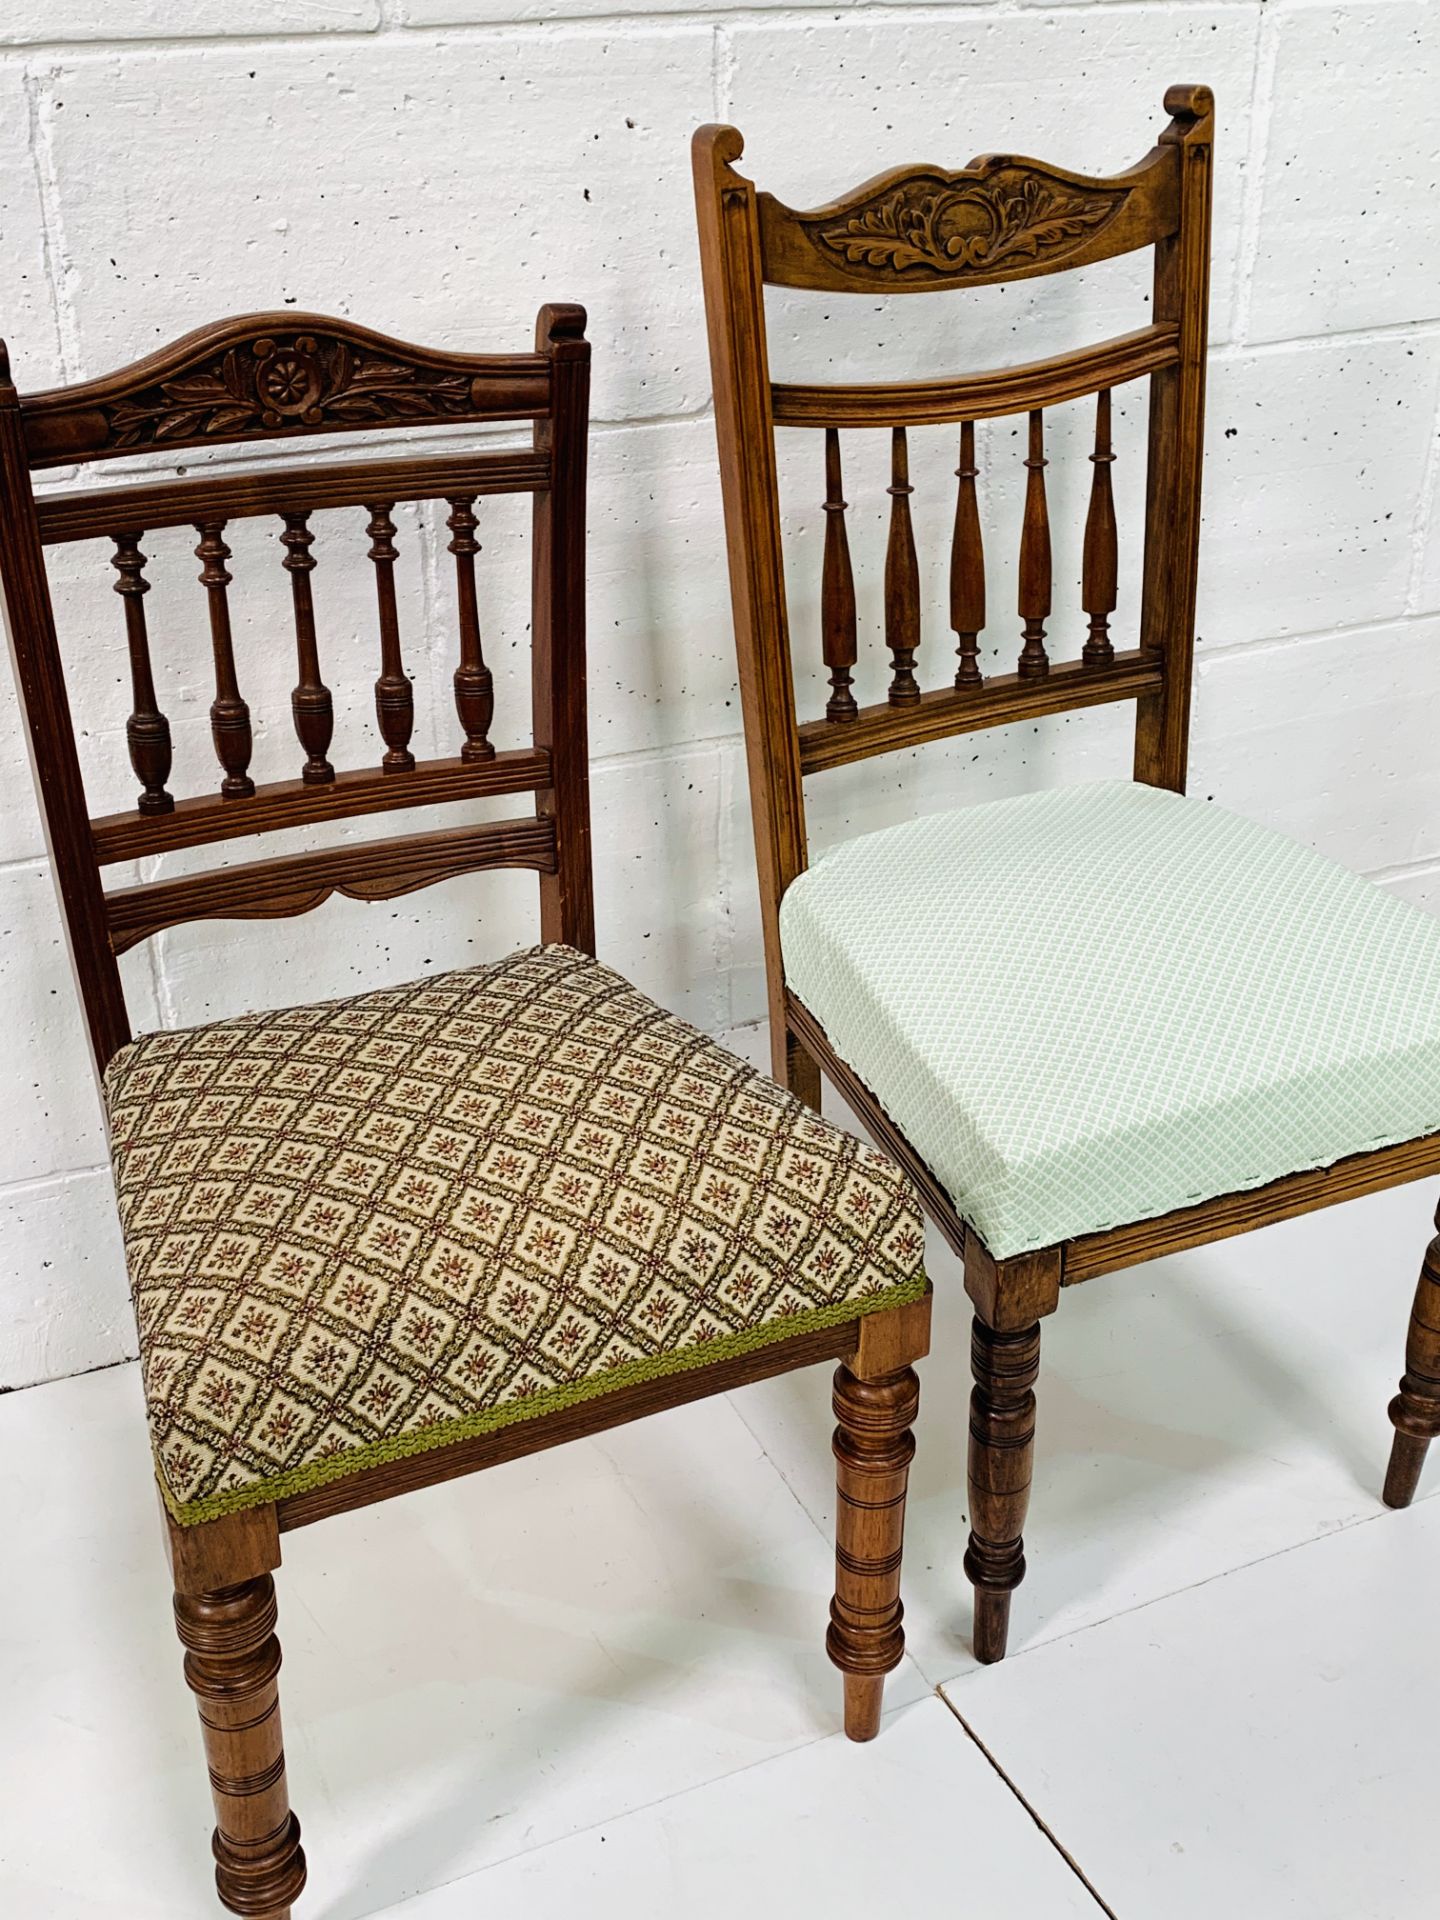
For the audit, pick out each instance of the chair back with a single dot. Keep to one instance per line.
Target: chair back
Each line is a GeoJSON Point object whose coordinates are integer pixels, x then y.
{"type": "Point", "coordinates": [270, 377]}
{"type": "Point", "coordinates": [922, 229]}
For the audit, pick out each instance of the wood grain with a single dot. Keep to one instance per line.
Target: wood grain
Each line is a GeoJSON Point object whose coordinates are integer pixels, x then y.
{"type": "Point", "coordinates": [310, 703]}
{"type": "Point", "coordinates": [733, 280]}
{"type": "Point", "coordinates": [1232, 1213]}
{"type": "Point", "coordinates": [474, 685]}
{"type": "Point", "coordinates": [902, 580]}
{"type": "Point", "coordinates": [1415, 1410]}
{"type": "Point", "coordinates": [979, 396]}
{"type": "Point", "coordinates": [559, 691]}
{"type": "Point", "coordinates": [147, 731]}
{"type": "Point", "coordinates": [87, 514]}
{"type": "Point", "coordinates": [921, 229]}
{"type": "Point", "coordinates": [1101, 562]}
{"type": "Point", "coordinates": [232, 1666]}
{"type": "Point", "coordinates": [1002, 1456]}
{"type": "Point", "coordinates": [278, 888]}
{"type": "Point", "coordinates": [1177, 446]}
{"type": "Point", "coordinates": [1035, 565]}
{"type": "Point", "coordinates": [1003, 700]}
{"type": "Point", "coordinates": [229, 714]}
{"type": "Point", "coordinates": [200, 819]}
{"type": "Point", "coordinates": [873, 1448]}
{"type": "Point", "coordinates": [837, 592]}
{"type": "Point", "coordinates": [967, 567]}
{"type": "Point", "coordinates": [270, 376]}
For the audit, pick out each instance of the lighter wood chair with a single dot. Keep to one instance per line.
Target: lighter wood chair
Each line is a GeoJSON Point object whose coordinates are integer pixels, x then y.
{"type": "Point", "coordinates": [1098, 1026]}
{"type": "Point", "coordinates": [385, 1241]}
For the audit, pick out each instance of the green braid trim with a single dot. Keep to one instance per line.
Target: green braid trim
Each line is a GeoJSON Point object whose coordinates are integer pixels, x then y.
{"type": "Point", "coordinates": [401, 1446]}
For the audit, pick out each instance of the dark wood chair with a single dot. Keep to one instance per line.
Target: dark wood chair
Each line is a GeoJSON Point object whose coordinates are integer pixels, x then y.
{"type": "Point", "coordinates": [385, 1241]}
{"type": "Point", "coordinates": [871, 981]}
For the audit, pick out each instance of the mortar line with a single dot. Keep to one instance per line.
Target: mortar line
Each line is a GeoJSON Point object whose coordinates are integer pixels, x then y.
{"type": "Point", "coordinates": [1419, 329]}
{"type": "Point", "coordinates": [1425, 516]}
{"type": "Point", "coordinates": [1247, 252]}
{"type": "Point", "coordinates": [1281, 642]}
{"type": "Point", "coordinates": [54, 248]}
{"type": "Point", "coordinates": [871, 13]}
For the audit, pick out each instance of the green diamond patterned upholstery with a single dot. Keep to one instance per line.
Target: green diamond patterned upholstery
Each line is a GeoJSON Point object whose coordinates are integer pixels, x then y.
{"type": "Point", "coordinates": [367, 1228]}
{"type": "Point", "coordinates": [1088, 1007]}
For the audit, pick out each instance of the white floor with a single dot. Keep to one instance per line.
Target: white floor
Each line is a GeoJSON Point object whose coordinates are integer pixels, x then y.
{"type": "Point", "coordinates": [593, 1683]}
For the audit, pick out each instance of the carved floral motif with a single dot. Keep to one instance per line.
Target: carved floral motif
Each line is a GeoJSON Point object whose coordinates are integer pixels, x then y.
{"type": "Point", "coordinates": [305, 381]}
{"type": "Point", "coordinates": [977, 225]}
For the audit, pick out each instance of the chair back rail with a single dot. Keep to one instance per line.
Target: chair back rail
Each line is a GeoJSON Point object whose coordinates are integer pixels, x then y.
{"type": "Point", "coordinates": [922, 229]}
{"type": "Point", "coordinates": [263, 377]}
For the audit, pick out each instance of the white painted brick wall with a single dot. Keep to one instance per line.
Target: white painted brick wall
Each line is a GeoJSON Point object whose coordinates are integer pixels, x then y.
{"type": "Point", "coordinates": [440, 167]}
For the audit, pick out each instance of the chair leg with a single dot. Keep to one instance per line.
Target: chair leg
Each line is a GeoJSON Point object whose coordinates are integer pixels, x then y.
{"type": "Point", "coordinates": [232, 1665]}
{"type": "Point", "coordinates": [801, 1075]}
{"type": "Point", "coordinates": [873, 1450]}
{"type": "Point", "coordinates": [1415, 1410]}
{"type": "Point", "coordinates": [1002, 1448]}
{"type": "Point", "coordinates": [876, 1397]}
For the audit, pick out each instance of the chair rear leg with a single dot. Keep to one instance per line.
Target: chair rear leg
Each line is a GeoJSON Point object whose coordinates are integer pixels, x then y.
{"type": "Point", "coordinates": [1002, 1452]}
{"type": "Point", "coordinates": [876, 1397]}
{"type": "Point", "coordinates": [801, 1074]}
{"type": "Point", "coordinates": [1415, 1410]}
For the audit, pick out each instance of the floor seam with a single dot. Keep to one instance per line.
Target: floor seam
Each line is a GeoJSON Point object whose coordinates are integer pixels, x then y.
{"type": "Point", "coordinates": [924, 1667]}
{"type": "Point", "coordinates": [1194, 1586]}
{"type": "Point", "coordinates": [1048, 1831]}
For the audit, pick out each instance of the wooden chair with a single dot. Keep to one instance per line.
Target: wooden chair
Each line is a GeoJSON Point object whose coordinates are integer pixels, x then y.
{"type": "Point", "coordinates": [994, 989]}
{"type": "Point", "coordinates": [382, 1242]}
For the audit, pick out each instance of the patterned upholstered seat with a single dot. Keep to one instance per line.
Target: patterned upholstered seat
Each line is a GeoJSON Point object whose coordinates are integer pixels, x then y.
{"type": "Point", "coordinates": [371, 1227]}
{"type": "Point", "coordinates": [1094, 1006]}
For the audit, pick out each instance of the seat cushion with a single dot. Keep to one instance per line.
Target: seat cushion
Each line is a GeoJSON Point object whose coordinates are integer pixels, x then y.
{"type": "Point", "coordinates": [1092, 1006]}
{"type": "Point", "coordinates": [363, 1229]}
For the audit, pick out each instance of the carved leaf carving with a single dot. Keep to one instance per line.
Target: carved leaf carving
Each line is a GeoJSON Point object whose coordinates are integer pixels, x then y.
{"type": "Point", "coordinates": [284, 384]}
{"type": "Point", "coordinates": [971, 224]}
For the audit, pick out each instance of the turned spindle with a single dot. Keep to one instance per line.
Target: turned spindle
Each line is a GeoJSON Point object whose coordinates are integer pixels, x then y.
{"type": "Point", "coordinates": [1101, 564]}
{"type": "Point", "coordinates": [310, 703]}
{"type": "Point", "coordinates": [967, 566]}
{"type": "Point", "coordinates": [1034, 598]}
{"type": "Point", "coordinates": [873, 1450]}
{"type": "Point", "coordinates": [229, 715]}
{"type": "Point", "coordinates": [394, 698]}
{"type": "Point", "coordinates": [902, 580]}
{"type": "Point", "coordinates": [147, 731]}
{"type": "Point", "coordinates": [474, 686]}
{"type": "Point", "coordinates": [232, 1665]}
{"type": "Point", "coordinates": [1002, 1450]}
{"type": "Point", "coordinates": [837, 591]}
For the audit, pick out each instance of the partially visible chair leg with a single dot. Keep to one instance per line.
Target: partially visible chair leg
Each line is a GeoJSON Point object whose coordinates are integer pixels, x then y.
{"type": "Point", "coordinates": [1002, 1451]}
{"type": "Point", "coordinates": [232, 1665]}
{"type": "Point", "coordinates": [1415, 1410]}
{"type": "Point", "coordinates": [876, 1397]}
{"type": "Point", "coordinates": [802, 1075]}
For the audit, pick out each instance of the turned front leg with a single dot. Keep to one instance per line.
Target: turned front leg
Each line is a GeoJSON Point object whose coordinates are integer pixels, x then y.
{"type": "Point", "coordinates": [1415, 1410]}
{"type": "Point", "coordinates": [1002, 1451]}
{"type": "Point", "coordinates": [873, 1450]}
{"type": "Point", "coordinates": [232, 1664]}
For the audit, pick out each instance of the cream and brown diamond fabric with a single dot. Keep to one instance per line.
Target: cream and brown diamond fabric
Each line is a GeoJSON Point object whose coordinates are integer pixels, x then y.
{"type": "Point", "coordinates": [367, 1228]}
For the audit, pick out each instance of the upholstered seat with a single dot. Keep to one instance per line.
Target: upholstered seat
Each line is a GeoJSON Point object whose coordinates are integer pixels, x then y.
{"type": "Point", "coordinates": [1093, 1006]}
{"type": "Point", "coordinates": [371, 1227]}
